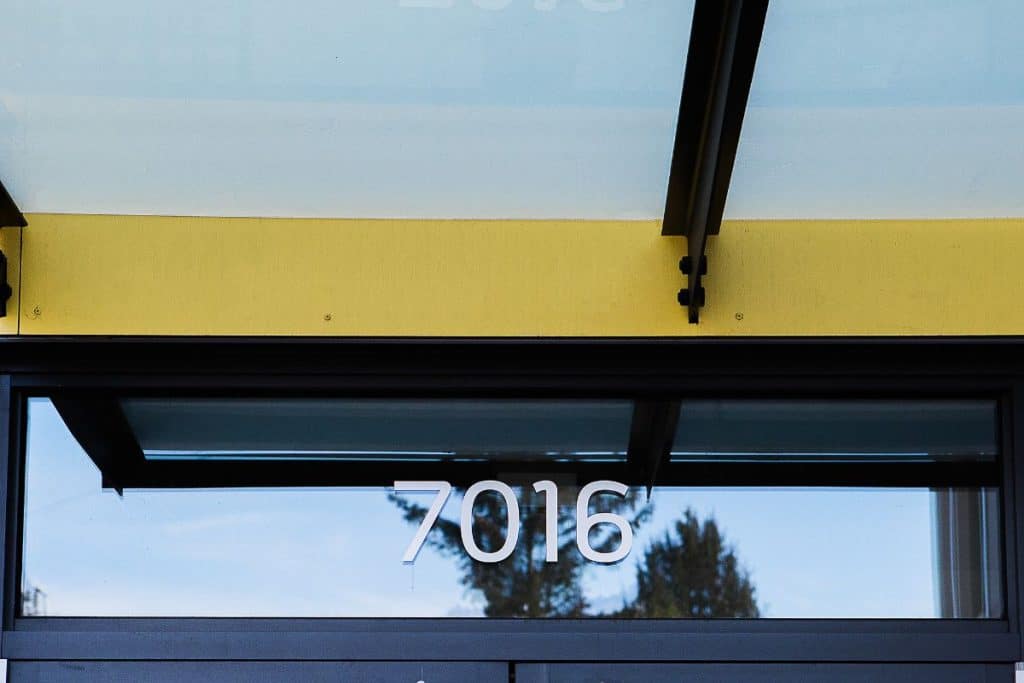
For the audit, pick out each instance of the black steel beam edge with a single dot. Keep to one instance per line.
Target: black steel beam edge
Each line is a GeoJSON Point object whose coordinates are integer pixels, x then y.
{"type": "Point", "coordinates": [5, 288]}
{"type": "Point", "coordinates": [10, 217]}
{"type": "Point", "coordinates": [724, 42]}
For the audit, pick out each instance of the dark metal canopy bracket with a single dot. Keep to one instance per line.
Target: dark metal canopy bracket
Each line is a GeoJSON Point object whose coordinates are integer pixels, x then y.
{"type": "Point", "coordinates": [102, 431]}
{"type": "Point", "coordinates": [650, 440]}
{"type": "Point", "coordinates": [5, 287]}
{"type": "Point", "coordinates": [10, 217]}
{"type": "Point", "coordinates": [724, 41]}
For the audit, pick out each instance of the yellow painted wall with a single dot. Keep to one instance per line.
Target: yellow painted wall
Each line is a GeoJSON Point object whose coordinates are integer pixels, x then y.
{"type": "Point", "coordinates": [10, 245]}
{"type": "Point", "coordinates": [243, 276]}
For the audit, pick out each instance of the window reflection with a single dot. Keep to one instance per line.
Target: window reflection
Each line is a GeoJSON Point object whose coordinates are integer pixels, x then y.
{"type": "Point", "coordinates": [836, 430]}
{"type": "Point", "coordinates": [378, 429]}
{"type": "Point", "coordinates": [336, 552]}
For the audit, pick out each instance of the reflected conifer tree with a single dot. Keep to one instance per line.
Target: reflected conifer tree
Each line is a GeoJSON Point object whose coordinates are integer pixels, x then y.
{"type": "Point", "coordinates": [689, 573]}
{"type": "Point", "coordinates": [692, 573]}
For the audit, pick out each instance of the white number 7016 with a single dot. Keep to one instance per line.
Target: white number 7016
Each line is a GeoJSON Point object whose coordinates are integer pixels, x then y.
{"type": "Point", "coordinates": [584, 520]}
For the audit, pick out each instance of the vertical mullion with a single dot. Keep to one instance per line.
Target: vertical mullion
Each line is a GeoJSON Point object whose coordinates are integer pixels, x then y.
{"type": "Point", "coordinates": [13, 422]}
{"type": "Point", "coordinates": [1012, 449]}
{"type": "Point", "coordinates": [7, 432]}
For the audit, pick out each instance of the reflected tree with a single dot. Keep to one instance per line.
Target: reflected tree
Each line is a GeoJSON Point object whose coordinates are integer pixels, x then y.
{"type": "Point", "coordinates": [525, 585]}
{"type": "Point", "coordinates": [33, 601]}
{"type": "Point", "coordinates": [689, 573]}
{"type": "Point", "coordinates": [692, 573]}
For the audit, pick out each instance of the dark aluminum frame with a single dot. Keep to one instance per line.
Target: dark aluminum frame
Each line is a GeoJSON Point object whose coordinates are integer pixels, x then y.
{"type": "Point", "coordinates": [642, 368]}
{"type": "Point", "coordinates": [10, 217]}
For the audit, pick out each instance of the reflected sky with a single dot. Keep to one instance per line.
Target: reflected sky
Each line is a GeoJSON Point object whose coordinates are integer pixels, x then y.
{"type": "Point", "coordinates": [331, 552]}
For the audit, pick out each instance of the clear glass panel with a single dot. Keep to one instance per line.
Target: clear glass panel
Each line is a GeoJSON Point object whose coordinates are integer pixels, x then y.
{"type": "Point", "coordinates": [882, 109]}
{"type": "Point", "coordinates": [186, 429]}
{"type": "Point", "coordinates": [836, 431]}
{"type": "Point", "coordinates": [817, 552]}
{"type": "Point", "coordinates": [360, 108]}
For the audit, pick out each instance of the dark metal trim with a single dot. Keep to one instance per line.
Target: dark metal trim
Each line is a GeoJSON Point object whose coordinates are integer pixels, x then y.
{"type": "Point", "coordinates": [724, 41]}
{"type": "Point", "coordinates": [102, 431]}
{"type": "Point", "coordinates": [1013, 513]}
{"type": "Point", "coordinates": [649, 362]}
{"type": "Point", "coordinates": [650, 440]}
{"type": "Point", "coordinates": [800, 672]}
{"type": "Point", "coordinates": [5, 287]}
{"type": "Point", "coordinates": [469, 643]}
{"type": "Point", "coordinates": [9, 589]}
{"type": "Point", "coordinates": [10, 215]}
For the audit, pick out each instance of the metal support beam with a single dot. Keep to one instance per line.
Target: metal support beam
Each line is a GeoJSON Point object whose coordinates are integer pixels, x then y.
{"type": "Point", "coordinates": [724, 41]}
{"type": "Point", "coordinates": [650, 439]}
{"type": "Point", "coordinates": [10, 215]}
{"type": "Point", "coordinates": [102, 431]}
{"type": "Point", "coordinates": [5, 287]}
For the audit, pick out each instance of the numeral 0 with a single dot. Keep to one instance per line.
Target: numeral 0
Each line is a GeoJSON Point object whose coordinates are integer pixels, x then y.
{"type": "Point", "coordinates": [585, 521]}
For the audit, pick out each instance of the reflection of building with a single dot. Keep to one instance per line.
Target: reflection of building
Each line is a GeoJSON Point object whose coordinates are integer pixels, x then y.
{"type": "Point", "coordinates": [967, 556]}
{"type": "Point", "coordinates": [281, 257]}
{"type": "Point", "coordinates": [33, 602]}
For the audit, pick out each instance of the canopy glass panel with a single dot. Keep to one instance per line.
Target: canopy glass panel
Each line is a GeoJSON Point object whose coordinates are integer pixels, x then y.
{"type": "Point", "coordinates": [881, 109]}
{"type": "Point", "coordinates": [405, 108]}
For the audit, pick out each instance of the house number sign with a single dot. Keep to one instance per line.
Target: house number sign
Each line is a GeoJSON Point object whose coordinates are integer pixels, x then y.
{"type": "Point", "coordinates": [585, 521]}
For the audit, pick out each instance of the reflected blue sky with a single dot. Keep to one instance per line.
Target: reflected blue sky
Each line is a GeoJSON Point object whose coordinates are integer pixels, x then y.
{"type": "Point", "coordinates": [330, 552]}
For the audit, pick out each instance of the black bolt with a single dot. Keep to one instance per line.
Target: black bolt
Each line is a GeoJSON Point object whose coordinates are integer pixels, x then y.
{"type": "Point", "coordinates": [684, 297]}
{"type": "Point", "coordinates": [686, 265]}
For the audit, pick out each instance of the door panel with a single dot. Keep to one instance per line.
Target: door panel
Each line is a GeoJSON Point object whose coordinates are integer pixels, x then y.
{"type": "Point", "coordinates": [763, 673]}
{"type": "Point", "coordinates": [264, 672]}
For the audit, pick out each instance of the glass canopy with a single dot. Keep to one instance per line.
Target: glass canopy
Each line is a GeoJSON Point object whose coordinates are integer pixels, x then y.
{"type": "Point", "coordinates": [506, 108]}
{"type": "Point", "coordinates": [881, 109]}
{"type": "Point", "coordinates": [400, 108]}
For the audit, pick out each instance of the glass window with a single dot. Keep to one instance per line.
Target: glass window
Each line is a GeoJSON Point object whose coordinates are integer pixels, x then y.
{"type": "Point", "coordinates": [337, 551]}
{"type": "Point", "coordinates": [361, 108]}
{"type": "Point", "coordinates": [836, 431]}
{"type": "Point", "coordinates": [882, 109]}
{"type": "Point", "coordinates": [385, 429]}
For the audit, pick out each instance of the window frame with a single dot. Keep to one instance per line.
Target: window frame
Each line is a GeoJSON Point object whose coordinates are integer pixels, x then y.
{"type": "Point", "coordinates": [634, 368]}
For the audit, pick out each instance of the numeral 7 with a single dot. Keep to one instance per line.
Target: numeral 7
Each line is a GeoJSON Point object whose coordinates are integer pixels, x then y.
{"type": "Point", "coordinates": [444, 489]}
